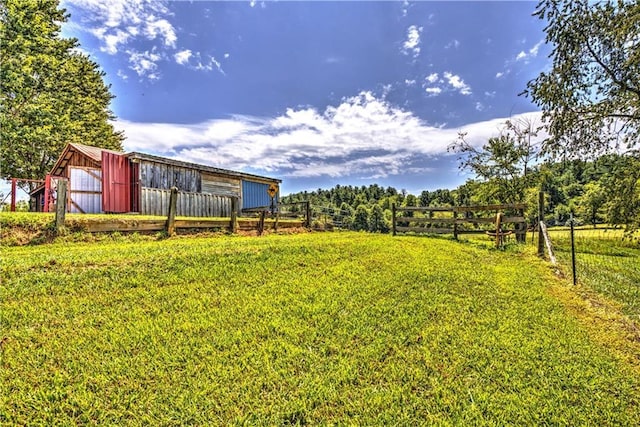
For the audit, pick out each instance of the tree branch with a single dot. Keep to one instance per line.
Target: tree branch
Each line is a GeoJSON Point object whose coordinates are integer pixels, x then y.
{"type": "Point", "coordinates": [622, 84]}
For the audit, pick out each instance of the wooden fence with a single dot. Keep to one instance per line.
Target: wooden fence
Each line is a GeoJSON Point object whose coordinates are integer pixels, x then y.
{"type": "Point", "coordinates": [456, 219]}
{"type": "Point", "coordinates": [154, 201]}
{"type": "Point", "coordinates": [228, 220]}
{"type": "Point", "coordinates": [283, 211]}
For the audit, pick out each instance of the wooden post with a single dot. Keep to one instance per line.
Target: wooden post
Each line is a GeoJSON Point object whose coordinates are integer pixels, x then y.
{"type": "Point", "coordinates": [261, 223]}
{"type": "Point", "coordinates": [171, 217]}
{"type": "Point", "coordinates": [275, 224]}
{"type": "Point", "coordinates": [455, 224]}
{"type": "Point", "coordinates": [233, 226]}
{"type": "Point", "coordinates": [308, 213]}
{"type": "Point", "coordinates": [393, 218]}
{"type": "Point", "coordinates": [540, 221]}
{"type": "Point", "coordinates": [61, 205]}
{"type": "Point", "coordinates": [13, 194]}
{"type": "Point", "coordinates": [47, 193]}
{"type": "Point", "coordinates": [521, 229]}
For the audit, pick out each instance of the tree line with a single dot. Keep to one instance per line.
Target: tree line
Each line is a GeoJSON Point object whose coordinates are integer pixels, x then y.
{"type": "Point", "coordinates": [601, 191]}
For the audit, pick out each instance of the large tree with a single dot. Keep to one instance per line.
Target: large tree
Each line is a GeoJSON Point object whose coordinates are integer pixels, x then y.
{"type": "Point", "coordinates": [504, 162]}
{"type": "Point", "coordinates": [51, 93]}
{"type": "Point", "coordinates": [591, 95]}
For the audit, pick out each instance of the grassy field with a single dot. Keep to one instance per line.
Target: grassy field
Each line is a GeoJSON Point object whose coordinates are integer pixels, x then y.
{"type": "Point", "coordinates": [605, 262]}
{"type": "Point", "coordinates": [342, 328]}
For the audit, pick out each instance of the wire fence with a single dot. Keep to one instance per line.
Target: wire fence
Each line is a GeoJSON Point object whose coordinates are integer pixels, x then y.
{"type": "Point", "coordinates": [605, 260]}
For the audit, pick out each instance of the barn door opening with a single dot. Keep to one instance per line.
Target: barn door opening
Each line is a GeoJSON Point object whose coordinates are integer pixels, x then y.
{"type": "Point", "coordinates": [86, 189]}
{"type": "Point", "coordinates": [116, 183]}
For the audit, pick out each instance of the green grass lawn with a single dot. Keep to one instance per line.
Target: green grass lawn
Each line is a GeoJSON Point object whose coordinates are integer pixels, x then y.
{"type": "Point", "coordinates": [342, 328]}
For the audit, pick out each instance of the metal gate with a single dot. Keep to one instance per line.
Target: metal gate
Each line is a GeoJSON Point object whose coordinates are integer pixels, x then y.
{"type": "Point", "coordinates": [85, 194]}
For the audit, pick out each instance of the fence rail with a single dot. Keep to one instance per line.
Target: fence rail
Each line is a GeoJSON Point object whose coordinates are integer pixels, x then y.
{"type": "Point", "coordinates": [454, 224]}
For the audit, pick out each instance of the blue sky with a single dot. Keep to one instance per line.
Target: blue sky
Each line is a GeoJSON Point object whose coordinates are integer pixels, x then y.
{"type": "Point", "coordinates": [315, 93]}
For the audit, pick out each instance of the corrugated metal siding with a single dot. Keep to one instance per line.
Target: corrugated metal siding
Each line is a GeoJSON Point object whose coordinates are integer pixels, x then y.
{"type": "Point", "coordinates": [163, 177]}
{"type": "Point", "coordinates": [89, 179]}
{"type": "Point", "coordinates": [156, 202]}
{"type": "Point", "coordinates": [116, 183]}
{"type": "Point", "coordinates": [254, 194]}
{"type": "Point", "coordinates": [85, 193]}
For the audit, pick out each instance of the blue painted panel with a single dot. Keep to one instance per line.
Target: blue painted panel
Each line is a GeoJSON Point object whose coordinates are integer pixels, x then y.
{"type": "Point", "coordinates": [254, 194]}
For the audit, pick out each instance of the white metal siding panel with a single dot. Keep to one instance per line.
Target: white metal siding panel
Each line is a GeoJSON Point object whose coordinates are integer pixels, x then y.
{"type": "Point", "coordinates": [85, 190]}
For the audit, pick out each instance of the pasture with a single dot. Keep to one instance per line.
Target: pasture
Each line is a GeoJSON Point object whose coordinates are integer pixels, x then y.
{"type": "Point", "coordinates": [344, 328]}
{"type": "Point", "coordinates": [606, 263]}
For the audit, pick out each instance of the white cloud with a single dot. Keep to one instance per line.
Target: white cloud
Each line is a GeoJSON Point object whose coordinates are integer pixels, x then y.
{"type": "Point", "coordinates": [405, 8]}
{"type": "Point", "coordinates": [183, 56]}
{"type": "Point", "coordinates": [252, 3]}
{"type": "Point", "coordinates": [433, 91]}
{"type": "Point", "coordinates": [531, 53]}
{"type": "Point", "coordinates": [145, 63]}
{"type": "Point", "coordinates": [411, 44]}
{"type": "Point", "coordinates": [524, 57]}
{"type": "Point", "coordinates": [226, 55]}
{"type": "Point", "coordinates": [411, 82]}
{"type": "Point", "coordinates": [209, 64]}
{"type": "Point", "coordinates": [194, 61]}
{"type": "Point", "coordinates": [118, 23]}
{"type": "Point", "coordinates": [457, 83]}
{"type": "Point", "coordinates": [122, 75]}
{"type": "Point", "coordinates": [435, 85]}
{"type": "Point", "coordinates": [161, 28]}
{"type": "Point", "coordinates": [363, 135]}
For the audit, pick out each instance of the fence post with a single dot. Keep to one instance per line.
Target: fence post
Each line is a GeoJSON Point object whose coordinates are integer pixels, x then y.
{"type": "Point", "coordinates": [61, 205]}
{"type": "Point", "coordinates": [171, 217]}
{"type": "Point", "coordinates": [455, 223]}
{"type": "Point", "coordinates": [521, 228]}
{"type": "Point", "coordinates": [261, 223]}
{"type": "Point", "coordinates": [233, 225]}
{"type": "Point", "coordinates": [573, 253]}
{"type": "Point", "coordinates": [393, 218]}
{"type": "Point", "coordinates": [540, 220]}
{"type": "Point", "coordinates": [13, 194]}
{"type": "Point", "coordinates": [308, 213]}
{"type": "Point", "coordinates": [47, 193]}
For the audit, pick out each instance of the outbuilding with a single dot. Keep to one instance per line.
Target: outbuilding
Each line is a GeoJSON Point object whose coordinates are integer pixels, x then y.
{"type": "Point", "coordinates": [107, 181]}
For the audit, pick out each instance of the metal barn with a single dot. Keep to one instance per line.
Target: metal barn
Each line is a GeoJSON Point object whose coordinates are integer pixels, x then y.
{"type": "Point", "coordinates": [108, 181]}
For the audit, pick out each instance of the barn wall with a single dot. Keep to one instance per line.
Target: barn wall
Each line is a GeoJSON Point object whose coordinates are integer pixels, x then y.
{"type": "Point", "coordinates": [156, 202]}
{"type": "Point", "coordinates": [79, 159]}
{"type": "Point", "coordinates": [163, 177]}
{"type": "Point", "coordinates": [219, 185]}
{"type": "Point", "coordinates": [254, 194]}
